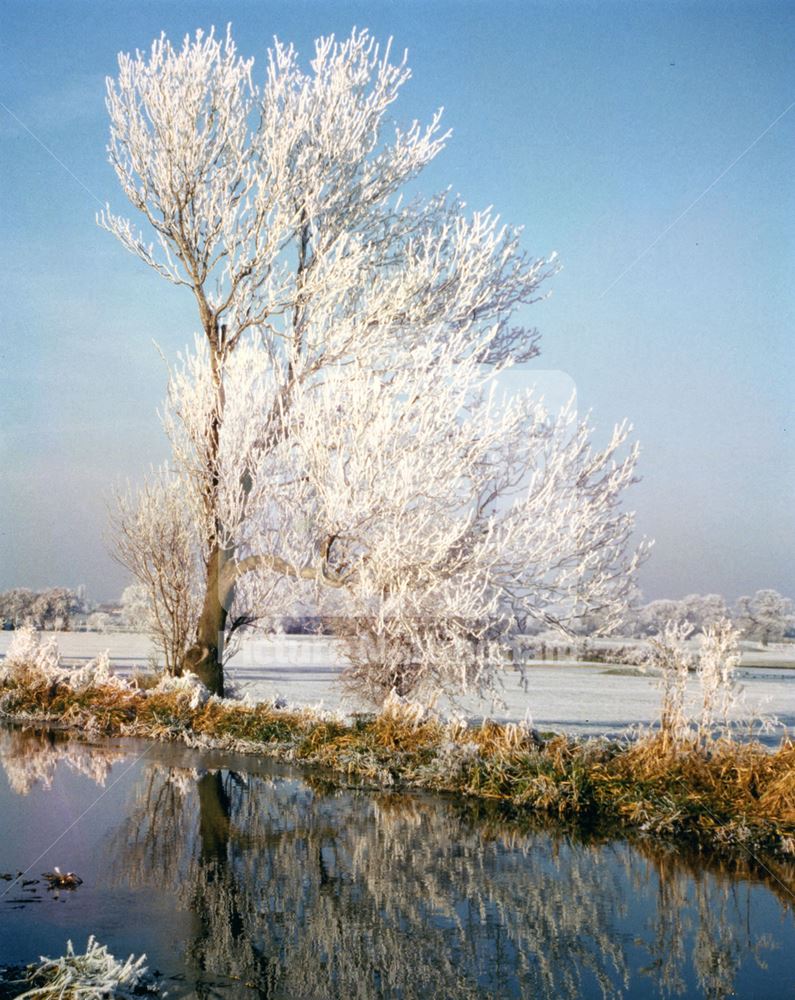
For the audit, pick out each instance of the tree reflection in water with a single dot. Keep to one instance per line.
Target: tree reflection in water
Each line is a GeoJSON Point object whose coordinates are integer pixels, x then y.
{"type": "Point", "coordinates": [29, 758]}
{"type": "Point", "coordinates": [312, 892]}
{"type": "Point", "coordinates": [296, 889]}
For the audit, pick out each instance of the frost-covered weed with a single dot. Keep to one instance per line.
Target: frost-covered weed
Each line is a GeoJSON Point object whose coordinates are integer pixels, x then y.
{"type": "Point", "coordinates": [96, 673]}
{"type": "Point", "coordinates": [451, 762]}
{"type": "Point", "coordinates": [706, 715]}
{"type": "Point", "coordinates": [93, 976]}
{"type": "Point", "coordinates": [667, 654]}
{"type": "Point", "coordinates": [33, 661]}
{"type": "Point", "coordinates": [717, 662]}
{"type": "Point", "coordinates": [406, 711]}
{"type": "Point", "coordinates": [188, 686]}
{"type": "Point", "coordinates": [28, 652]}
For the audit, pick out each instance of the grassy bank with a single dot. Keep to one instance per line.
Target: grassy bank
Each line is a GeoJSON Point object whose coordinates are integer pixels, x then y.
{"type": "Point", "coordinates": [722, 796]}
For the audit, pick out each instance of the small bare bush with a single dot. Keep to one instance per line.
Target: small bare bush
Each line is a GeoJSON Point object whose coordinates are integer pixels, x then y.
{"type": "Point", "coordinates": [154, 537]}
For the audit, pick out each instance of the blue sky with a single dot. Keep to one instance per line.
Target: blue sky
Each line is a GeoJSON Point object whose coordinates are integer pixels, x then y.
{"type": "Point", "coordinates": [599, 127]}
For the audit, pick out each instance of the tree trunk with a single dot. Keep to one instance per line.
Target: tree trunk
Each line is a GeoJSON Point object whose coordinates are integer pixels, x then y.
{"type": "Point", "coordinates": [214, 811]}
{"type": "Point", "coordinates": [205, 656]}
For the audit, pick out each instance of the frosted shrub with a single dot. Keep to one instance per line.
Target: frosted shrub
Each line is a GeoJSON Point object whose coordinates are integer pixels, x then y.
{"type": "Point", "coordinates": [27, 649]}
{"type": "Point", "coordinates": [31, 662]}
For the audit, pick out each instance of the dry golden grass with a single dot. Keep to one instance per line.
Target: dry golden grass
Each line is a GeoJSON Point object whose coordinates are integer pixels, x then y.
{"type": "Point", "coordinates": [495, 740]}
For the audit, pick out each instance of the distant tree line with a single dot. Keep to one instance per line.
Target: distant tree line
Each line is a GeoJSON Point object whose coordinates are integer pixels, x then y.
{"type": "Point", "coordinates": [45, 609]}
{"type": "Point", "coordinates": [765, 617]}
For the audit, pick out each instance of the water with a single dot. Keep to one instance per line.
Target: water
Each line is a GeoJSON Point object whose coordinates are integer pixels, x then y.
{"type": "Point", "coordinates": [243, 878]}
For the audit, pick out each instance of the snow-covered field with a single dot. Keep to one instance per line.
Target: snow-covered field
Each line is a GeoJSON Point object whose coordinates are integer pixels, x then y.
{"type": "Point", "coordinates": [566, 696]}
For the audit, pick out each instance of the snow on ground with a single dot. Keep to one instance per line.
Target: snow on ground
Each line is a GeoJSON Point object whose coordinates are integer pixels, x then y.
{"type": "Point", "coordinates": [581, 699]}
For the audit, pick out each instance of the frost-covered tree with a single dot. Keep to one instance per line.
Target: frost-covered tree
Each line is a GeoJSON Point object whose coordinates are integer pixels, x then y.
{"type": "Point", "coordinates": [703, 611]}
{"type": "Point", "coordinates": [651, 618]}
{"type": "Point", "coordinates": [700, 611]}
{"type": "Point", "coordinates": [47, 609]}
{"type": "Point", "coordinates": [338, 430]}
{"type": "Point", "coordinates": [16, 605]}
{"type": "Point", "coordinates": [765, 616]}
{"type": "Point", "coordinates": [99, 621]}
{"type": "Point", "coordinates": [134, 605]}
{"type": "Point", "coordinates": [54, 608]}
